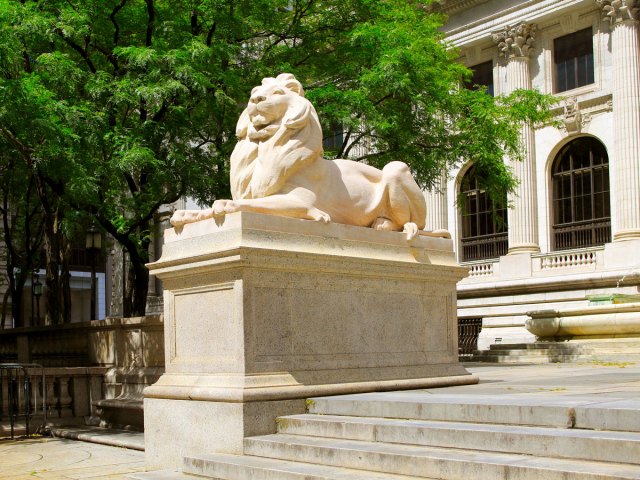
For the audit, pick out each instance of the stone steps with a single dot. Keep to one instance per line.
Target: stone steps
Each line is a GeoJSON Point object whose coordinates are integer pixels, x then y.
{"type": "Point", "coordinates": [394, 461]}
{"type": "Point", "coordinates": [561, 352]}
{"type": "Point", "coordinates": [450, 434]}
{"type": "Point", "coordinates": [245, 467]}
{"type": "Point", "coordinates": [415, 435]}
{"type": "Point", "coordinates": [622, 447]}
{"type": "Point", "coordinates": [584, 412]}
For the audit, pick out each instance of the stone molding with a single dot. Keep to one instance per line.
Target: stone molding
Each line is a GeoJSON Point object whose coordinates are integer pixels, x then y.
{"type": "Point", "coordinates": [515, 41]}
{"type": "Point", "coordinates": [616, 11]}
{"type": "Point", "coordinates": [451, 7]}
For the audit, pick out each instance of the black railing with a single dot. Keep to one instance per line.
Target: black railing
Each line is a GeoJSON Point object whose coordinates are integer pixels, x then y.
{"type": "Point", "coordinates": [486, 246]}
{"type": "Point", "coordinates": [582, 234]}
{"type": "Point", "coordinates": [468, 332]}
{"type": "Point", "coordinates": [18, 397]}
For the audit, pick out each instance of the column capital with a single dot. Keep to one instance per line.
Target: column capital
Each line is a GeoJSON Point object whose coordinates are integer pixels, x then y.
{"type": "Point", "coordinates": [616, 11]}
{"type": "Point", "coordinates": [515, 41]}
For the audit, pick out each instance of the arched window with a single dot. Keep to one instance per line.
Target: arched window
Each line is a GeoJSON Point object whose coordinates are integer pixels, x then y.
{"type": "Point", "coordinates": [484, 227]}
{"type": "Point", "coordinates": [581, 210]}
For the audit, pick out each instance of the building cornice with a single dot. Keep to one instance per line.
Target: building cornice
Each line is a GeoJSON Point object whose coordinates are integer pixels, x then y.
{"type": "Point", "coordinates": [451, 7]}
{"type": "Point", "coordinates": [530, 11]}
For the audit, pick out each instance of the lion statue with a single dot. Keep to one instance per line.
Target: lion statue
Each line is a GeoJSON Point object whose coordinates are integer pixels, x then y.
{"type": "Point", "coordinates": [277, 168]}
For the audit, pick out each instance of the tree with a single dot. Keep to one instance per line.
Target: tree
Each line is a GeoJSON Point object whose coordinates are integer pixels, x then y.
{"type": "Point", "coordinates": [120, 106]}
{"type": "Point", "coordinates": [22, 235]}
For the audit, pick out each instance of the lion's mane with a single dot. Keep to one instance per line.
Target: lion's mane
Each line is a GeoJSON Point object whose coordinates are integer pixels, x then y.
{"type": "Point", "coordinates": [265, 159]}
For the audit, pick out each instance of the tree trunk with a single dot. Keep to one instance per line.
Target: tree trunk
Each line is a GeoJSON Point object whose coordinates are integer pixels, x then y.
{"type": "Point", "coordinates": [53, 311]}
{"type": "Point", "coordinates": [65, 279]}
{"type": "Point", "coordinates": [140, 287]}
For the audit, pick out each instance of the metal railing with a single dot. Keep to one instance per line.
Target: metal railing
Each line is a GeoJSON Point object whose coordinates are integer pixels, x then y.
{"type": "Point", "coordinates": [468, 332]}
{"type": "Point", "coordinates": [485, 246]}
{"type": "Point", "coordinates": [582, 234]}
{"type": "Point", "coordinates": [18, 397]}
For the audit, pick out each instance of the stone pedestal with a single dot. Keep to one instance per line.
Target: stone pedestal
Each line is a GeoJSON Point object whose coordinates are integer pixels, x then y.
{"type": "Point", "coordinates": [262, 312]}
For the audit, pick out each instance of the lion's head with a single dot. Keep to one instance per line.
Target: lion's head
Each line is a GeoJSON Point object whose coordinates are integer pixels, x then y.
{"type": "Point", "coordinates": [278, 133]}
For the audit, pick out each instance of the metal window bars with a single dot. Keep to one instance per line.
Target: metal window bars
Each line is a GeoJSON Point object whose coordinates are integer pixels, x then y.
{"type": "Point", "coordinates": [18, 398]}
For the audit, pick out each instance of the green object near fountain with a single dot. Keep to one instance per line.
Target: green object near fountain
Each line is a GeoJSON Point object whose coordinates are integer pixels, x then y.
{"type": "Point", "coordinates": [612, 298]}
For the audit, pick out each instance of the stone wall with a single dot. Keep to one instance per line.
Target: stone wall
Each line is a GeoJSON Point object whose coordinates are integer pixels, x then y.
{"type": "Point", "coordinates": [95, 371]}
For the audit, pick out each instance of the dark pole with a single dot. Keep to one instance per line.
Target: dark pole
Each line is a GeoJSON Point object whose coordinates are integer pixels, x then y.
{"type": "Point", "coordinates": [93, 284]}
{"type": "Point", "coordinates": [38, 310]}
{"type": "Point", "coordinates": [32, 302]}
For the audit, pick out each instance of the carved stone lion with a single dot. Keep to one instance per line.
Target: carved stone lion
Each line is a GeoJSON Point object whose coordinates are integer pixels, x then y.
{"type": "Point", "coordinates": [277, 168]}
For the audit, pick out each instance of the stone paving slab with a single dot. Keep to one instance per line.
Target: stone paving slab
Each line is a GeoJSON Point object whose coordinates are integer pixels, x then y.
{"type": "Point", "coordinates": [62, 459]}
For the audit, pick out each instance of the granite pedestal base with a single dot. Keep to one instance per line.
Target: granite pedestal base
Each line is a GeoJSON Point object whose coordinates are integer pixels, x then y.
{"type": "Point", "coordinates": [262, 312]}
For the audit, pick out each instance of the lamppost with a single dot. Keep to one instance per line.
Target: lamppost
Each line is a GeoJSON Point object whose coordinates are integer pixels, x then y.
{"type": "Point", "coordinates": [36, 287]}
{"type": "Point", "coordinates": [93, 244]}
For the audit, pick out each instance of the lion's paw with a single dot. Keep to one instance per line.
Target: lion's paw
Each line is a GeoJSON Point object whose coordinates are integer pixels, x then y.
{"type": "Point", "coordinates": [204, 214]}
{"type": "Point", "coordinates": [178, 219]}
{"type": "Point", "coordinates": [411, 230]}
{"type": "Point", "coordinates": [221, 207]}
{"type": "Point", "coordinates": [384, 224]}
{"type": "Point", "coordinates": [319, 216]}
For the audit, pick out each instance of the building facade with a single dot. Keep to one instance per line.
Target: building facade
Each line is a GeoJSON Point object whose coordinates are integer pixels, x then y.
{"type": "Point", "coordinates": [573, 227]}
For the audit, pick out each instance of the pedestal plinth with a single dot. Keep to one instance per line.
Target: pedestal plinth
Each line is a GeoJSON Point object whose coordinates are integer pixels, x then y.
{"type": "Point", "coordinates": [262, 312]}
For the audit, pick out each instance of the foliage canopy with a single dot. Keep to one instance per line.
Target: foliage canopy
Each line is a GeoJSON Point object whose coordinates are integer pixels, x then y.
{"type": "Point", "coordinates": [117, 107]}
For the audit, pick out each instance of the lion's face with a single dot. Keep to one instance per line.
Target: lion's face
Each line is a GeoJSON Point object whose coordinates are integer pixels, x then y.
{"type": "Point", "coordinates": [268, 104]}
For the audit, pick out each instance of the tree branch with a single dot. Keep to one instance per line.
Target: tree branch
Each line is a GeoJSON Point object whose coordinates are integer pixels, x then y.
{"type": "Point", "coordinates": [151, 16]}
{"type": "Point", "coordinates": [131, 183]}
{"type": "Point", "coordinates": [83, 53]}
{"type": "Point", "coordinates": [211, 32]}
{"type": "Point", "coordinates": [112, 17]}
{"type": "Point", "coordinates": [195, 26]}
{"type": "Point", "coordinates": [113, 60]}
{"type": "Point", "coordinates": [24, 150]}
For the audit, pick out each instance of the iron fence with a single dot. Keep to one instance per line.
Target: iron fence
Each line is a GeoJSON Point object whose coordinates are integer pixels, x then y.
{"type": "Point", "coordinates": [19, 398]}
{"type": "Point", "coordinates": [582, 234]}
{"type": "Point", "coordinates": [483, 247]}
{"type": "Point", "coordinates": [468, 332]}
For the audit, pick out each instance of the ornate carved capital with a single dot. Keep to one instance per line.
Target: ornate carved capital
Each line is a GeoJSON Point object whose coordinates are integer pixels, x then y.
{"type": "Point", "coordinates": [616, 11]}
{"type": "Point", "coordinates": [516, 41]}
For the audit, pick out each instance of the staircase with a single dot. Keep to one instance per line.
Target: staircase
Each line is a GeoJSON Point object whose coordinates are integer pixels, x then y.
{"type": "Point", "coordinates": [561, 352]}
{"type": "Point", "coordinates": [423, 435]}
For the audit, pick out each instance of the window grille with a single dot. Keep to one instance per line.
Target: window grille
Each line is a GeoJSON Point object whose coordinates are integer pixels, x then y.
{"type": "Point", "coordinates": [581, 204]}
{"type": "Point", "coordinates": [484, 225]}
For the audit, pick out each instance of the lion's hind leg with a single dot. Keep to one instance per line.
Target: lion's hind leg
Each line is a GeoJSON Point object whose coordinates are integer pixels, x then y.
{"type": "Point", "coordinates": [406, 203]}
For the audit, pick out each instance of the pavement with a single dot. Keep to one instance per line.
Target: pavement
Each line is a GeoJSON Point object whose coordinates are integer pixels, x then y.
{"type": "Point", "coordinates": [66, 458]}
{"type": "Point", "coordinates": [60, 458]}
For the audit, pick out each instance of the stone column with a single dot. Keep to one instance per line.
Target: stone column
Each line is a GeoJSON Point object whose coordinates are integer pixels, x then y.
{"type": "Point", "coordinates": [623, 16]}
{"type": "Point", "coordinates": [515, 45]}
{"type": "Point", "coordinates": [437, 205]}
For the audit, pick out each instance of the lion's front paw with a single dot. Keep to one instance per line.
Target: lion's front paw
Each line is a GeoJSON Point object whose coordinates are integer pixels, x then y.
{"type": "Point", "coordinates": [178, 218]}
{"type": "Point", "coordinates": [204, 214]}
{"type": "Point", "coordinates": [222, 207]}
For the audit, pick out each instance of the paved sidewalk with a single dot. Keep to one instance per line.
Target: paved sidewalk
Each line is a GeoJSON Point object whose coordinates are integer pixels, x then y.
{"type": "Point", "coordinates": [617, 384]}
{"type": "Point", "coordinates": [58, 458]}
